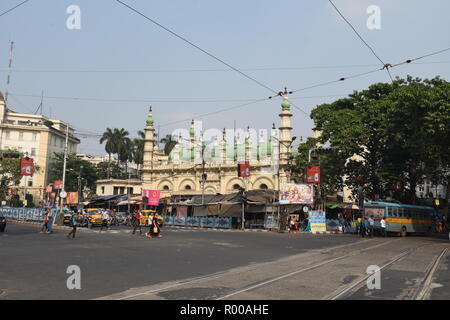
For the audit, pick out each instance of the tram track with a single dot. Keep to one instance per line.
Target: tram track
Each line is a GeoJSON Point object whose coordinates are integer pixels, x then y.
{"type": "Point", "coordinates": [224, 285]}
{"type": "Point", "coordinates": [219, 275]}
{"type": "Point", "coordinates": [421, 290]}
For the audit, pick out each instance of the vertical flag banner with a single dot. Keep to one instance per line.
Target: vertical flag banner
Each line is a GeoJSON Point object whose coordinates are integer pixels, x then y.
{"type": "Point", "coordinates": [152, 196]}
{"type": "Point", "coordinates": [244, 169]}
{"type": "Point", "coordinates": [26, 167]}
{"type": "Point", "coordinates": [313, 174]}
{"type": "Point", "coordinates": [57, 184]}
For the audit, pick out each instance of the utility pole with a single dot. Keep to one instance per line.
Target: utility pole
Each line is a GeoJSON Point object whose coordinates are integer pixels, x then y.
{"type": "Point", "coordinates": [63, 193]}
{"type": "Point", "coordinates": [203, 170]}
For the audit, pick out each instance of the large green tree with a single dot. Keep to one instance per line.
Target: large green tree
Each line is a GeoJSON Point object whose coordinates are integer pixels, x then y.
{"type": "Point", "coordinates": [78, 172]}
{"type": "Point", "coordinates": [392, 135]}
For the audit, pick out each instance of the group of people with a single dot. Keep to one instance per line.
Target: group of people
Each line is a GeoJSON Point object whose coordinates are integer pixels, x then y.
{"type": "Point", "coordinates": [367, 226]}
{"type": "Point", "coordinates": [295, 225]}
{"type": "Point", "coordinates": [154, 232]}
{"type": "Point", "coordinates": [155, 228]}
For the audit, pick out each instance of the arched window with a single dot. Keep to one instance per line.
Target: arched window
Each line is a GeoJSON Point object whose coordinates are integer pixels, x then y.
{"type": "Point", "coordinates": [187, 187]}
{"type": "Point", "coordinates": [166, 187]}
{"type": "Point", "coordinates": [263, 186]}
{"type": "Point", "coordinates": [236, 187]}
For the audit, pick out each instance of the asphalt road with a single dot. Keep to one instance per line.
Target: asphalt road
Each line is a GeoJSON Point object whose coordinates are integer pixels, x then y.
{"type": "Point", "coordinates": [207, 264]}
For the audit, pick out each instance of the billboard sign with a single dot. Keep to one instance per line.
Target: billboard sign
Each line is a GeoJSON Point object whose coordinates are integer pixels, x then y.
{"type": "Point", "coordinates": [72, 198]}
{"type": "Point", "coordinates": [296, 193]}
{"type": "Point", "coordinates": [317, 221]}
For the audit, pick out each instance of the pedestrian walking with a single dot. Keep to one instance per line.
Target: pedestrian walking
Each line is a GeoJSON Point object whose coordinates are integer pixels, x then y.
{"type": "Point", "coordinates": [44, 228]}
{"type": "Point", "coordinates": [137, 222]}
{"type": "Point", "coordinates": [74, 224]}
{"type": "Point", "coordinates": [155, 230]}
{"type": "Point", "coordinates": [364, 226]}
{"type": "Point", "coordinates": [371, 225]}
{"type": "Point", "coordinates": [105, 218]}
{"type": "Point", "coordinates": [383, 227]}
{"type": "Point", "coordinates": [51, 217]}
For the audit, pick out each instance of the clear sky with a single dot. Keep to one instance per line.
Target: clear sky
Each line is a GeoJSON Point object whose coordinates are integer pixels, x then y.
{"type": "Point", "coordinates": [288, 39]}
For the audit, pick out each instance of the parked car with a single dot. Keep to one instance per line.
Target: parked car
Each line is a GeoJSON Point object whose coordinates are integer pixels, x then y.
{"type": "Point", "coordinates": [2, 223]}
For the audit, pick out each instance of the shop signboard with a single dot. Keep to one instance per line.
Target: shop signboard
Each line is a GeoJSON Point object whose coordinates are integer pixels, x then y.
{"type": "Point", "coordinates": [317, 221]}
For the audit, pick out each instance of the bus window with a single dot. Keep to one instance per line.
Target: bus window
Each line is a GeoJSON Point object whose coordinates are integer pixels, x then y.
{"type": "Point", "coordinates": [408, 213]}
{"type": "Point", "coordinates": [400, 212]}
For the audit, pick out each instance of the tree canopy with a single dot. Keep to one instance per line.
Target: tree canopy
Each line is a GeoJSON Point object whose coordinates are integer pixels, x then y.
{"type": "Point", "coordinates": [390, 137]}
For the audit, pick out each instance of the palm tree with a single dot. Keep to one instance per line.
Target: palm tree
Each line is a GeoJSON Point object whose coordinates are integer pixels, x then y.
{"type": "Point", "coordinates": [122, 143]}
{"type": "Point", "coordinates": [169, 144]}
{"type": "Point", "coordinates": [110, 145]}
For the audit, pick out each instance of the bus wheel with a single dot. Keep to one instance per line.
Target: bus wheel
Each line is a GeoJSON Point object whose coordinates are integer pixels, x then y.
{"type": "Point", "coordinates": [403, 232]}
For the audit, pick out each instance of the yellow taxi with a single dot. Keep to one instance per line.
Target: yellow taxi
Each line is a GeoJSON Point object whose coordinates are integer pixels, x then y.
{"type": "Point", "coordinates": [93, 216]}
{"type": "Point", "coordinates": [147, 216]}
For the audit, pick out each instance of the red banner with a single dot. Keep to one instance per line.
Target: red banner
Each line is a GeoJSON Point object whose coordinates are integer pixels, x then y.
{"type": "Point", "coordinates": [26, 167]}
{"type": "Point", "coordinates": [57, 184]}
{"type": "Point", "coordinates": [244, 169]}
{"type": "Point", "coordinates": [48, 189]}
{"type": "Point", "coordinates": [313, 174]}
{"type": "Point", "coordinates": [152, 196]}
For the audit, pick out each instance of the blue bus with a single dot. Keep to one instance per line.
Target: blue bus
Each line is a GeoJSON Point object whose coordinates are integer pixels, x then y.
{"type": "Point", "coordinates": [402, 218]}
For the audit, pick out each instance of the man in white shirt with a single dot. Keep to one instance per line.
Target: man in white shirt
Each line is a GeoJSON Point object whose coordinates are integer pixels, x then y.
{"type": "Point", "coordinates": [105, 218]}
{"type": "Point", "coordinates": [371, 224]}
{"type": "Point", "coordinates": [383, 227]}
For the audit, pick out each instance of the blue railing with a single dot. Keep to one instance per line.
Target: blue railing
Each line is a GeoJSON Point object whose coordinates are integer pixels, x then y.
{"type": "Point", "coordinates": [201, 222]}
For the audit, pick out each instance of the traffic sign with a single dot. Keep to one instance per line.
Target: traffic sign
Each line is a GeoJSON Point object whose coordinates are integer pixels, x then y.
{"type": "Point", "coordinates": [63, 194]}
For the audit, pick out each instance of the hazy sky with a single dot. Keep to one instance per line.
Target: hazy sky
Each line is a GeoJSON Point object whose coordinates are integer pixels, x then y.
{"type": "Point", "coordinates": [299, 43]}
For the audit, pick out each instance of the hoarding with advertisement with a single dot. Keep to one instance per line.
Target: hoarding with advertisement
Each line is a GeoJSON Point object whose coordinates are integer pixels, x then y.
{"type": "Point", "coordinates": [317, 221]}
{"type": "Point", "coordinates": [313, 174]}
{"type": "Point", "coordinates": [296, 193]}
{"type": "Point", "coordinates": [48, 189]}
{"type": "Point", "coordinates": [26, 166]}
{"type": "Point", "coordinates": [72, 198]}
{"type": "Point", "coordinates": [375, 213]}
{"type": "Point", "coordinates": [152, 197]}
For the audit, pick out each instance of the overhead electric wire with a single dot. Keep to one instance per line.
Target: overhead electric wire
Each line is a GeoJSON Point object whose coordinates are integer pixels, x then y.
{"type": "Point", "coordinates": [385, 66]}
{"type": "Point", "coordinates": [421, 57]}
{"type": "Point", "coordinates": [282, 68]}
{"type": "Point", "coordinates": [15, 7]}
{"type": "Point", "coordinates": [195, 46]}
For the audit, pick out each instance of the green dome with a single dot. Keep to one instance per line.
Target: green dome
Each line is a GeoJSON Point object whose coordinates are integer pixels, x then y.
{"type": "Point", "coordinates": [150, 121]}
{"type": "Point", "coordinates": [191, 132]}
{"type": "Point", "coordinates": [286, 104]}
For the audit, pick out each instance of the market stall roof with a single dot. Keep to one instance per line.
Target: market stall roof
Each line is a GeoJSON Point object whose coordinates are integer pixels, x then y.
{"type": "Point", "coordinates": [352, 206]}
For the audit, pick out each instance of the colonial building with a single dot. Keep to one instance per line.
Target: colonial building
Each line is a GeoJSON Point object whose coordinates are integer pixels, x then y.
{"type": "Point", "coordinates": [206, 162]}
{"type": "Point", "coordinates": [40, 138]}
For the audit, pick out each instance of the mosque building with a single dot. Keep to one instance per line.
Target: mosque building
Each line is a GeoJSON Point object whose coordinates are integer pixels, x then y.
{"type": "Point", "coordinates": [196, 166]}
